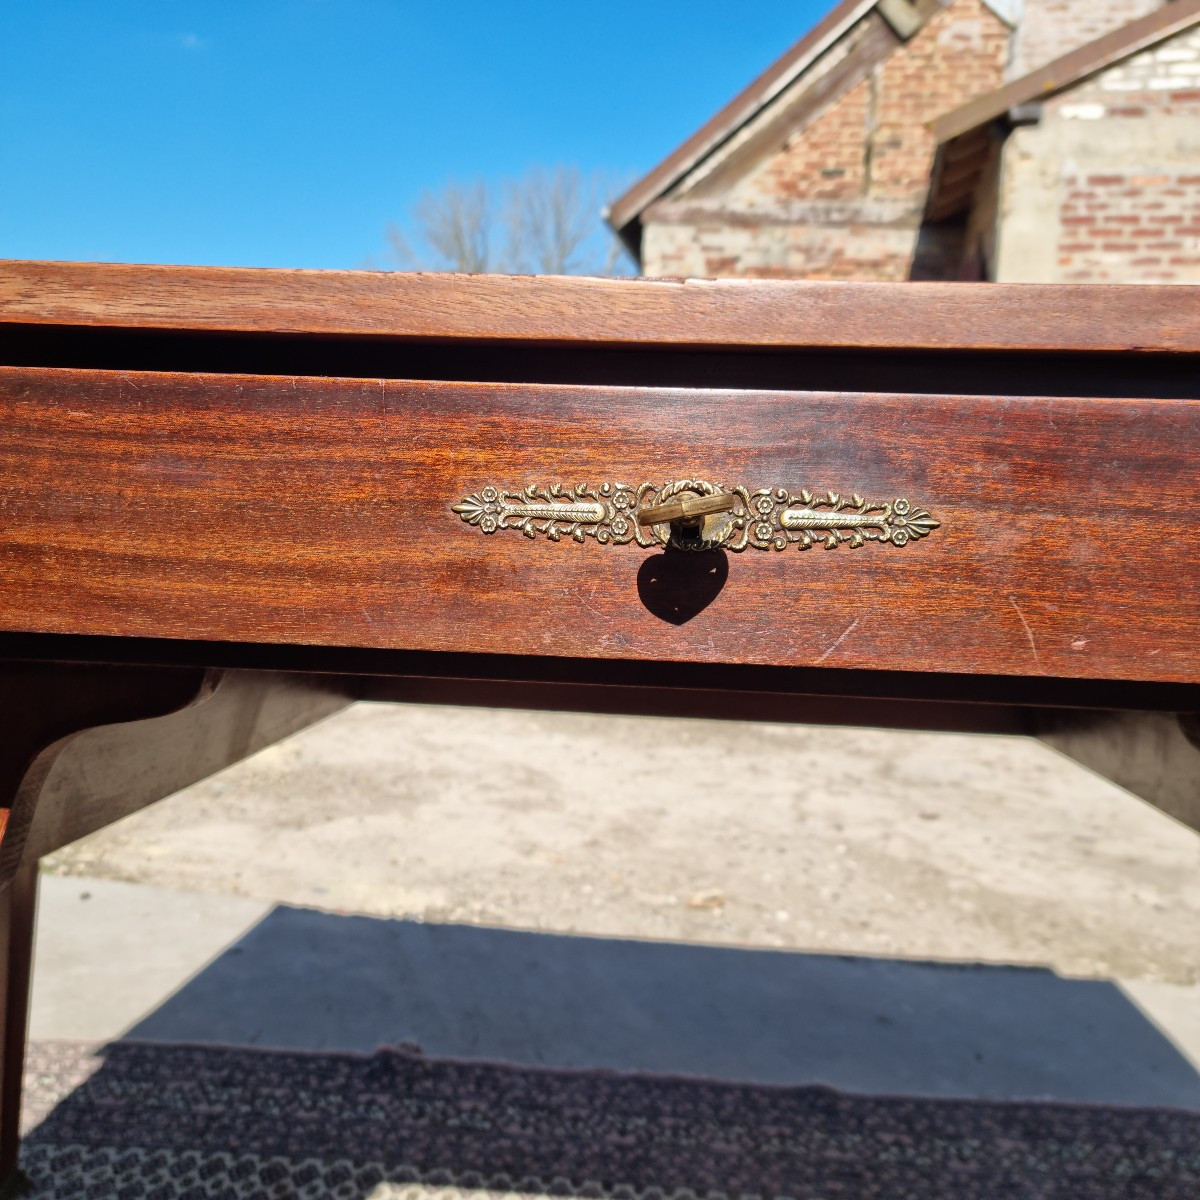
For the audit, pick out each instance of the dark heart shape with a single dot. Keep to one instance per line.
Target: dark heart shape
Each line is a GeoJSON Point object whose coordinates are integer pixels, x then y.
{"type": "Point", "coordinates": [677, 585]}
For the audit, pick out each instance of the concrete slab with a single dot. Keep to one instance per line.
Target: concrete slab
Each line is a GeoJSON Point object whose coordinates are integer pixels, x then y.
{"type": "Point", "coordinates": [785, 883]}
{"type": "Point", "coordinates": [860, 841]}
{"type": "Point", "coordinates": [108, 952]}
{"type": "Point", "coordinates": [1173, 1009]}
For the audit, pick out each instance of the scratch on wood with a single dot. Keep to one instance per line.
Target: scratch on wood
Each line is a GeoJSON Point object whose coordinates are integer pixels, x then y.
{"type": "Point", "coordinates": [845, 634]}
{"type": "Point", "coordinates": [1028, 632]}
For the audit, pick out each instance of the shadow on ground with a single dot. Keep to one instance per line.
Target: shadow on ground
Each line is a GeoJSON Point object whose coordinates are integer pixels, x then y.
{"type": "Point", "coordinates": [309, 980]}
{"type": "Point", "coordinates": [290, 1066]}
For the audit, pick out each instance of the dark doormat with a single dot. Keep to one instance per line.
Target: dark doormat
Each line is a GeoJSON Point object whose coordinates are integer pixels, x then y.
{"type": "Point", "coordinates": [167, 1122]}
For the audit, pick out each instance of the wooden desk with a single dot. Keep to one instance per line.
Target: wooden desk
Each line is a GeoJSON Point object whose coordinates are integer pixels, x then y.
{"type": "Point", "coordinates": [233, 501]}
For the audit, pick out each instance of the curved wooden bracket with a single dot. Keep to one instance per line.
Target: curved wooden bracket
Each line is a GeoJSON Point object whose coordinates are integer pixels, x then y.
{"type": "Point", "coordinates": [84, 745]}
{"type": "Point", "coordinates": [44, 706]}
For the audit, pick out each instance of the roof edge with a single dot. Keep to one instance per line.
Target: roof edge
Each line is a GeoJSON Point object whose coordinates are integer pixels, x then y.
{"type": "Point", "coordinates": [719, 128]}
{"type": "Point", "coordinates": [1174, 17]}
{"type": "Point", "coordinates": [1009, 11]}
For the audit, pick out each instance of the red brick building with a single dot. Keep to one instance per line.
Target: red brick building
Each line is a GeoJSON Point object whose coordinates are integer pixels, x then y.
{"type": "Point", "coordinates": [887, 144]}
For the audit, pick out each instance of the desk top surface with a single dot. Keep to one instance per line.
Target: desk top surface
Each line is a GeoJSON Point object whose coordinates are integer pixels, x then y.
{"type": "Point", "coordinates": [605, 312]}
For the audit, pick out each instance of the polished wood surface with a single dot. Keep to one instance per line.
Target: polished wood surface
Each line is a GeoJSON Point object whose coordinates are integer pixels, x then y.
{"type": "Point", "coordinates": [226, 509]}
{"type": "Point", "coordinates": [318, 511]}
{"type": "Point", "coordinates": [541, 310]}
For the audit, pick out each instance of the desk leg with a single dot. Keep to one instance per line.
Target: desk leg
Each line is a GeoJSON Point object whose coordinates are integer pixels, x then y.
{"type": "Point", "coordinates": [82, 746]}
{"type": "Point", "coordinates": [1154, 755]}
{"type": "Point", "coordinates": [43, 709]}
{"type": "Point", "coordinates": [17, 910]}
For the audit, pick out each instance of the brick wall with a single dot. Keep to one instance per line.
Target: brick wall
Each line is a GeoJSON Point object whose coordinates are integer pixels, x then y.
{"type": "Point", "coordinates": [866, 158]}
{"type": "Point", "coordinates": [1106, 188]}
{"type": "Point", "coordinates": [1130, 227]}
{"type": "Point", "coordinates": [842, 198]}
{"type": "Point", "coordinates": [1050, 28]}
{"type": "Point", "coordinates": [827, 161]}
{"type": "Point", "coordinates": [961, 53]}
{"type": "Point", "coordinates": [1164, 81]}
{"type": "Point", "coordinates": [784, 249]}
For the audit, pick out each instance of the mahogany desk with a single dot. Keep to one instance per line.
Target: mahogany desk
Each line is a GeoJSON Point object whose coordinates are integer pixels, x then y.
{"type": "Point", "coordinates": [232, 501]}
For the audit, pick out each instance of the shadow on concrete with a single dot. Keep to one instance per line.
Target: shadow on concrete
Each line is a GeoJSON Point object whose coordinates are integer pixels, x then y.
{"type": "Point", "coordinates": [303, 979]}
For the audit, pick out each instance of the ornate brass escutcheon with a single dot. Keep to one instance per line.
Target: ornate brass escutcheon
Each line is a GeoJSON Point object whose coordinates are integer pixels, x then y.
{"type": "Point", "coordinates": [693, 514]}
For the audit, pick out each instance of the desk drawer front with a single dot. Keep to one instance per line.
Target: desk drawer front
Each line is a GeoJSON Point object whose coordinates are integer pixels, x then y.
{"type": "Point", "coordinates": [1060, 536]}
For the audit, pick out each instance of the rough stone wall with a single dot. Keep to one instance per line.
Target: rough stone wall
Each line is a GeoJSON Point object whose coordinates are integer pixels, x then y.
{"type": "Point", "coordinates": [843, 197]}
{"type": "Point", "coordinates": [1106, 188]}
{"type": "Point", "coordinates": [1049, 29]}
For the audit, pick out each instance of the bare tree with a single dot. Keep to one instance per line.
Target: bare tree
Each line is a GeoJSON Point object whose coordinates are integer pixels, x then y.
{"type": "Point", "coordinates": [552, 218]}
{"type": "Point", "coordinates": [547, 223]}
{"type": "Point", "coordinates": [454, 224]}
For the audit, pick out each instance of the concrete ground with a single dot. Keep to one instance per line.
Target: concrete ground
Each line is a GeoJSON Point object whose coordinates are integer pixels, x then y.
{"type": "Point", "coordinates": [769, 902]}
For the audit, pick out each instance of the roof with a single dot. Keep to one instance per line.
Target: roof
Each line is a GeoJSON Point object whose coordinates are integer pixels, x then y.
{"type": "Point", "coordinates": [902, 17]}
{"type": "Point", "coordinates": [969, 137]}
{"type": "Point", "coordinates": [624, 211]}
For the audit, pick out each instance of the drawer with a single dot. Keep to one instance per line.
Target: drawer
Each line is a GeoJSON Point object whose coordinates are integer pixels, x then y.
{"type": "Point", "coordinates": [1059, 538]}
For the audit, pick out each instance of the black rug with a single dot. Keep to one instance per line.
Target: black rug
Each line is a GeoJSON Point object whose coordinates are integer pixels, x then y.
{"type": "Point", "coordinates": [143, 1121]}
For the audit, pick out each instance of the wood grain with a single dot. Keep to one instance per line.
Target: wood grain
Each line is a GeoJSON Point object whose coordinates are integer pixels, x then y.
{"type": "Point", "coordinates": [307, 521]}
{"type": "Point", "coordinates": [318, 512]}
{"type": "Point", "coordinates": [605, 312]}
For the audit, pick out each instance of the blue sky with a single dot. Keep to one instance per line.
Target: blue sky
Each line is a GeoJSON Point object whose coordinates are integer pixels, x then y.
{"type": "Point", "coordinates": [289, 134]}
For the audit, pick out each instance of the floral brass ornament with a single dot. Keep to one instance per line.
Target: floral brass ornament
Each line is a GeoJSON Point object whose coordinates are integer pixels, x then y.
{"type": "Point", "coordinates": [605, 513]}
{"type": "Point", "coordinates": [759, 519]}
